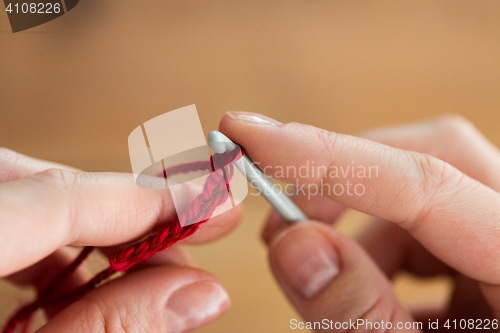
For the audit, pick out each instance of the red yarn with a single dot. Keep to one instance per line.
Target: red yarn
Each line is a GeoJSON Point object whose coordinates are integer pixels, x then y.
{"type": "Point", "coordinates": [214, 194]}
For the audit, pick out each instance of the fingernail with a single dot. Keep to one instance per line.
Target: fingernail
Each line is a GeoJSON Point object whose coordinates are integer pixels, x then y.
{"type": "Point", "coordinates": [253, 118]}
{"type": "Point", "coordinates": [195, 305]}
{"type": "Point", "coordinates": [306, 259]}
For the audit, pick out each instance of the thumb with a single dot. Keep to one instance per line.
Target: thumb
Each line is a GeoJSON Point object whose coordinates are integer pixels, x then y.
{"type": "Point", "coordinates": [159, 299]}
{"type": "Point", "coordinates": [333, 283]}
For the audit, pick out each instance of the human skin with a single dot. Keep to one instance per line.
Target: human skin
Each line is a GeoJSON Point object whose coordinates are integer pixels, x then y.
{"type": "Point", "coordinates": [435, 200]}
{"type": "Point", "coordinates": [45, 207]}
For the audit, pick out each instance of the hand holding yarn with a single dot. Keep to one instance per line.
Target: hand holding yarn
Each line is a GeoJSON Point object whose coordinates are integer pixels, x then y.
{"type": "Point", "coordinates": [46, 206]}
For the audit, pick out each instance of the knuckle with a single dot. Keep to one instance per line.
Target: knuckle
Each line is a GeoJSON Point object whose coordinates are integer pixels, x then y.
{"type": "Point", "coordinates": [328, 140]}
{"type": "Point", "coordinates": [63, 184]}
{"type": "Point", "coordinates": [124, 320]}
{"type": "Point", "coordinates": [430, 171]}
{"type": "Point", "coordinates": [7, 154]}
{"type": "Point", "coordinates": [297, 128]}
{"type": "Point", "coordinates": [92, 316]}
{"type": "Point", "coordinates": [456, 125]}
{"type": "Point", "coordinates": [438, 181]}
{"type": "Point", "coordinates": [324, 138]}
{"type": "Point", "coordinates": [99, 316]}
{"type": "Point", "coordinates": [61, 177]}
{"type": "Point", "coordinates": [427, 170]}
{"type": "Point", "coordinates": [8, 158]}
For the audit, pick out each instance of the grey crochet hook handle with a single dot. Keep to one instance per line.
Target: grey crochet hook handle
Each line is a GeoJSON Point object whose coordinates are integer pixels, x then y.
{"type": "Point", "coordinates": [258, 179]}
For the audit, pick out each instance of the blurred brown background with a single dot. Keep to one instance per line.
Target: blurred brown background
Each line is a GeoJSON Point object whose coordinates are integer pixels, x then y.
{"type": "Point", "coordinates": [73, 89]}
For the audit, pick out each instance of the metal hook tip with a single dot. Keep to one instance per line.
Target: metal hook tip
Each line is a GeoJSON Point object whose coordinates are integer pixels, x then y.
{"type": "Point", "coordinates": [219, 142]}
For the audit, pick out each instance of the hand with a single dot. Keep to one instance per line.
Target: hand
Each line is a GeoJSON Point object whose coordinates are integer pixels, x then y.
{"type": "Point", "coordinates": [44, 207]}
{"type": "Point", "coordinates": [436, 200]}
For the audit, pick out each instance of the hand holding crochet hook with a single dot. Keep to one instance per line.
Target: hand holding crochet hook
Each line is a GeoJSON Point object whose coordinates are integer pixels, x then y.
{"type": "Point", "coordinates": [435, 207]}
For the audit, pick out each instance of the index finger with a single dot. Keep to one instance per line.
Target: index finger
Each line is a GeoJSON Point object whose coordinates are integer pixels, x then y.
{"type": "Point", "coordinates": [452, 215]}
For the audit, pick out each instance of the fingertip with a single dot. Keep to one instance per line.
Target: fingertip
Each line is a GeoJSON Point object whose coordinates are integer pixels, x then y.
{"type": "Point", "coordinates": [195, 305]}
{"type": "Point", "coordinates": [246, 128]}
{"type": "Point", "coordinates": [226, 123]}
{"type": "Point", "coordinates": [305, 258]}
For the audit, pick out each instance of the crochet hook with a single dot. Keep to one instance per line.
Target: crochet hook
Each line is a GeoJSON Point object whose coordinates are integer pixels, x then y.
{"type": "Point", "coordinates": [258, 179]}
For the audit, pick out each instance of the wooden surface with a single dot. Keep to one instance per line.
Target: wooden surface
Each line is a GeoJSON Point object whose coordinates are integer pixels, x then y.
{"type": "Point", "coordinates": [73, 89]}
